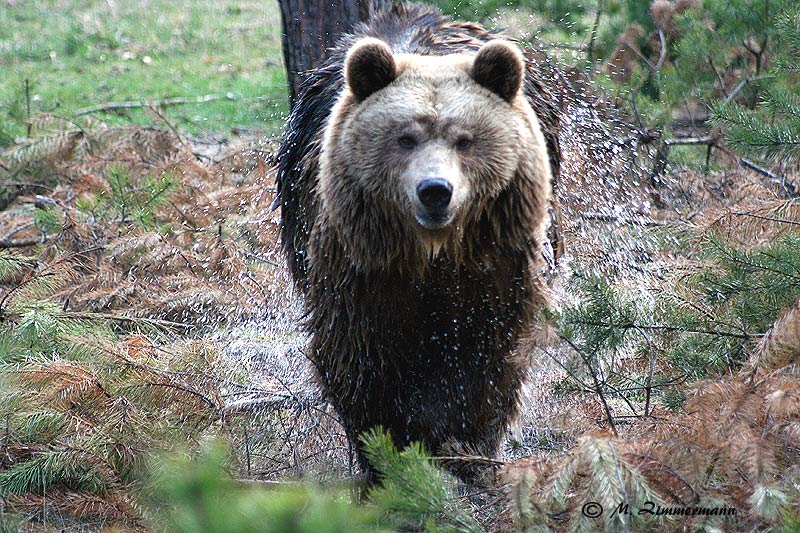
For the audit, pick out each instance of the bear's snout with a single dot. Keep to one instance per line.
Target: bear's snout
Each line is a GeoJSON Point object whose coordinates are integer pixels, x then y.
{"type": "Point", "coordinates": [434, 194]}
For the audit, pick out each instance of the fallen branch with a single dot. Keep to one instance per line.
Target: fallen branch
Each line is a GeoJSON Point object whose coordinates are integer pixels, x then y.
{"type": "Point", "coordinates": [752, 166]}
{"type": "Point", "coordinates": [471, 459]}
{"type": "Point", "coordinates": [676, 141]}
{"type": "Point", "coordinates": [113, 106]}
{"type": "Point", "coordinates": [7, 236]}
{"type": "Point", "coordinates": [21, 183]}
{"type": "Point", "coordinates": [790, 188]}
{"type": "Point", "coordinates": [277, 400]}
{"type": "Point", "coordinates": [260, 258]}
{"type": "Point", "coordinates": [593, 34]}
{"type": "Point", "coordinates": [21, 243]}
{"type": "Point", "coordinates": [154, 109]}
{"type": "Point", "coordinates": [602, 217]}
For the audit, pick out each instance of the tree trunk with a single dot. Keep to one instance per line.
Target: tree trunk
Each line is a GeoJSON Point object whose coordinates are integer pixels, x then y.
{"type": "Point", "coordinates": [311, 27]}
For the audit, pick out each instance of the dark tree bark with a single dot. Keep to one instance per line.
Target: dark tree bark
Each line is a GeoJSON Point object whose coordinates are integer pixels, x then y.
{"type": "Point", "coordinates": [311, 27]}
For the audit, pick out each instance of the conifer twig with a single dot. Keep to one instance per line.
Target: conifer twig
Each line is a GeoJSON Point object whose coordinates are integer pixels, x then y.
{"type": "Point", "coordinates": [743, 82]}
{"type": "Point", "coordinates": [768, 219]}
{"type": "Point", "coordinates": [597, 385]}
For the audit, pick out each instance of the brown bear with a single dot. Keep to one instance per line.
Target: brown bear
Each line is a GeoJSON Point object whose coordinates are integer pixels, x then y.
{"type": "Point", "coordinates": [414, 180]}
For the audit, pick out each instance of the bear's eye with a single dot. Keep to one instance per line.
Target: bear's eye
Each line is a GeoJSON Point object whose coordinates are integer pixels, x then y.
{"type": "Point", "coordinates": [407, 142]}
{"type": "Point", "coordinates": [463, 144]}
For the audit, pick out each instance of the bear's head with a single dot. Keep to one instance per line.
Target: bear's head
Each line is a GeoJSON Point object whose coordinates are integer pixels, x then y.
{"type": "Point", "coordinates": [424, 155]}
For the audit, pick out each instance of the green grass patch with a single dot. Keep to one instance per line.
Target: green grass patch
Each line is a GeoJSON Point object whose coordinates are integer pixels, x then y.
{"type": "Point", "coordinates": [80, 53]}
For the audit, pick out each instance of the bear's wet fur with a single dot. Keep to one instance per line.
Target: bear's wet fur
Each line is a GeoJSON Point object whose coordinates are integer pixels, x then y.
{"type": "Point", "coordinates": [414, 326]}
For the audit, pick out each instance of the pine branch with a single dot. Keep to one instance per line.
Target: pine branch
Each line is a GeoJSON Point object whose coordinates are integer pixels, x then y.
{"type": "Point", "coordinates": [598, 389]}
{"type": "Point", "coordinates": [778, 141]}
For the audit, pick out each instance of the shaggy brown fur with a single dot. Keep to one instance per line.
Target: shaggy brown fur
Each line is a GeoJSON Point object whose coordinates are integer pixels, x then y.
{"type": "Point", "coordinates": [413, 328]}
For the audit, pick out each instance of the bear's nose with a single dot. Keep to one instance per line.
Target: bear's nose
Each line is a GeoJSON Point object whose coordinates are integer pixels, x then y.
{"type": "Point", "coordinates": [434, 193]}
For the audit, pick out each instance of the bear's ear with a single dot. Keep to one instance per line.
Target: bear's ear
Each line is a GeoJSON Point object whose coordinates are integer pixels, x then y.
{"type": "Point", "coordinates": [500, 67]}
{"type": "Point", "coordinates": [369, 67]}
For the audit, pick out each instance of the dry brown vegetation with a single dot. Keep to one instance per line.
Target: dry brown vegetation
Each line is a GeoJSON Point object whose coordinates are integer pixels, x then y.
{"type": "Point", "coordinates": [144, 256]}
{"type": "Point", "coordinates": [180, 264]}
